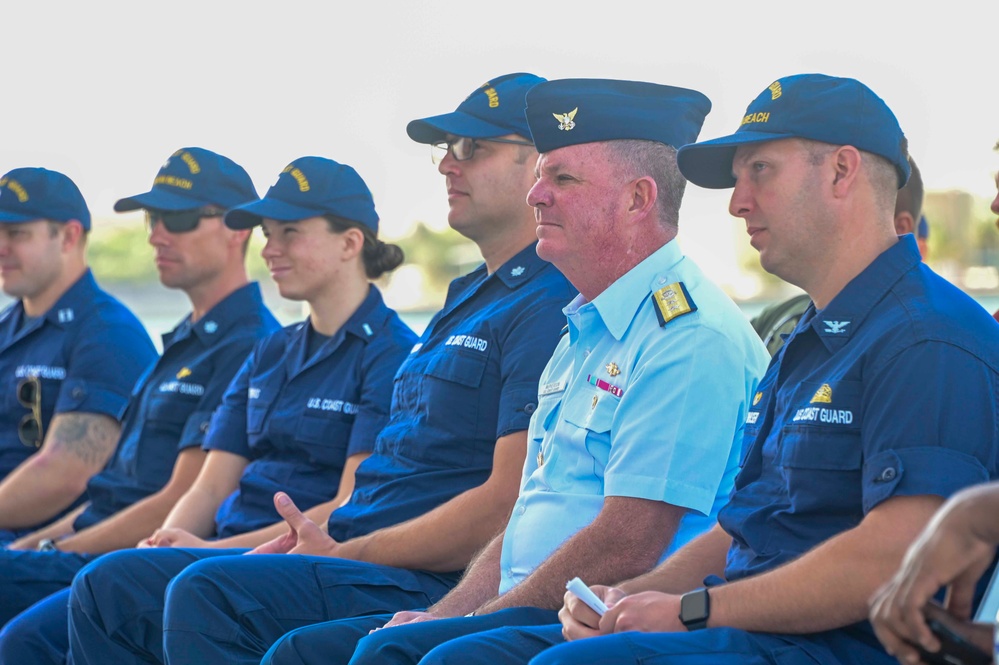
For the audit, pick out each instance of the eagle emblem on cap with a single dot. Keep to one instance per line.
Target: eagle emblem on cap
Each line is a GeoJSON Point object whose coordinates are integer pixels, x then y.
{"type": "Point", "coordinates": [565, 122]}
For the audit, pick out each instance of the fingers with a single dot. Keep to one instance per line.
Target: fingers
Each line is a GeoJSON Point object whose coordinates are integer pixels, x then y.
{"type": "Point", "coordinates": [899, 630]}
{"type": "Point", "coordinates": [290, 512]}
{"type": "Point", "coordinates": [578, 620]}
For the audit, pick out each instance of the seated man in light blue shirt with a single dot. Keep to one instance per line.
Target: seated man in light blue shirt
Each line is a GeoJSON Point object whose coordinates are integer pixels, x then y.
{"type": "Point", "coordinates": [631, 450]}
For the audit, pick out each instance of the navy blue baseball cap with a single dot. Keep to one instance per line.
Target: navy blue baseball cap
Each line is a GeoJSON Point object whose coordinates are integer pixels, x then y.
{"type": "Point", "coordinates": [493, 109]}
{"type": "Point", "coordinates": [192, 178]}
{"type": "Point", "coordinates": [840, 111]}
{"type": "Point", "coordinates": [572, 111]}
{"type": "Point", "coordinates": [310, 187]}
{"type": "Point", "coordinates": [29, 194]}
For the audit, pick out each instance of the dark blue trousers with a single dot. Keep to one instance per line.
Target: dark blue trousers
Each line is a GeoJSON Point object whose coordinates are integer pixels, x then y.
{"type": "Point", "coordinates": [340, 642]}
{"type": "Point", "coordinates": [38, 635]}
{"type": "Point", "coordinates": [177, 606]}
{"type": "Point", "coordinates": [712, 646]}
{"type": "Point", "coordinates": [27, 577]}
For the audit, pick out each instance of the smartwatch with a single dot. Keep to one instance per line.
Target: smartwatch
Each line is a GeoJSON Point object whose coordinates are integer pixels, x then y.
{"type": "Point", "coordinates": [47, 545]}
{"type": "Point", "coordinates": [695, 608]}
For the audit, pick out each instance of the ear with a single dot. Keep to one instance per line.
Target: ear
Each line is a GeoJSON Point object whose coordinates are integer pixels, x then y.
{"type": "Point", "coordinates": [642, 196]}
{"type": "Point", "coordinates": [72, 234]}
{"type": "Point", "coordinates": [238, 237]}
{"type": "Point", "coordinates": [353, 242]}
{"type": "Point", "coordinates": [846, 162]}
{"type": "Point", "coordinates": [904, 223]}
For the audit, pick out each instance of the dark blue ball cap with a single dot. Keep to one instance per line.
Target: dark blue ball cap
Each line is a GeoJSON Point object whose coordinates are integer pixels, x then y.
{"type": "Point", "coordinates": [572, 111]}
{"type": "Point", "coordinates": [839, 111]}
{"type": "Point", "coordinates": [495, 108]}
{"type": "Point", "coordinates": [28, 194]}
{"type": "Point", "coordinates": [310, 187]}
{"type": "Point", "coordinates": [193, 178]}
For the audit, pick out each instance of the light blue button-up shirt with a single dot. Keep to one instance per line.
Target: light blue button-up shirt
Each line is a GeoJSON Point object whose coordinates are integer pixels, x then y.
{"type": "Point", "coordinates": [631, 407]}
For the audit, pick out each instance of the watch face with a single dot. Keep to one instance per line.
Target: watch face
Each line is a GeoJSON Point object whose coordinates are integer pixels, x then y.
{"type": "Point", "coordinates": [694, 606]}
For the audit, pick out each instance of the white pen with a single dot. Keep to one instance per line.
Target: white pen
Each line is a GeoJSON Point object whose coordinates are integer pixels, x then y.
{"type": "Point", "coordinates": [581, 591]}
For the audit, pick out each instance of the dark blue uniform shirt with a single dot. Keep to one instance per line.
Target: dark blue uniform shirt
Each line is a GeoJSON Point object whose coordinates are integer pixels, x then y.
{"type": "Point", "coordinates": [297, 417]}
{"type": "Point", "coordinates": [87, 351]}
{"type": "Point", "coordinates": [891, 390]}
{"type": "Point", "coordinates": [472, 378]}
{"type": "Point", "coordinates": [172, 404]}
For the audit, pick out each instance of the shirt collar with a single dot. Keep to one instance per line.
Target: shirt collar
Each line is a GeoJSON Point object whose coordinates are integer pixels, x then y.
{"type": "Point", "coordinates": [851, 306]}
{"type": "Point", "coordinates": [618, 304]}
{"type": "Point", "coordinates": [75, 302]}
{"type": "Point", "coordinates": [369, 317]}
{"type": "Point", "coordinates": [521, 268]}
{"type": "Point", "coordinates": [220, 319]}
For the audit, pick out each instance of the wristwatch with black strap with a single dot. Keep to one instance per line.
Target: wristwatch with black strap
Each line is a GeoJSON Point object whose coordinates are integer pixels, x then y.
{"type": "Point", "coordinates": [695, 608]}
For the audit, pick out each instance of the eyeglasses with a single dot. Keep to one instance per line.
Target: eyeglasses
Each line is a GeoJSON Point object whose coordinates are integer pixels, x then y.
{"type": "Point", "coordinates": [463, 148]}
{"type": "Point", "coordinates": [29, 394]}
{"type": "Point", "coordinates": [180, 221]}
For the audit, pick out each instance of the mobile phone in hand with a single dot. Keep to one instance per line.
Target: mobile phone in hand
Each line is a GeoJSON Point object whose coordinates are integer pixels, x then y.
{"type": "Point", "coordinates": [954, 649]}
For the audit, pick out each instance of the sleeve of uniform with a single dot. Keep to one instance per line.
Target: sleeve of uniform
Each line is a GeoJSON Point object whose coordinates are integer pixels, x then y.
{"type": "Point", "coordinates": [225, 397]}
{"type": "Point", "coordinates": [227, 430]}
{"type": "Point", "coordinates": [381, 360]}
{"type": "Point", "coordinates": [105, 362]}
{"type": "Point", "coordinates": [527, 346]}
{"type": "Point", "coordinates": [672, 435]}
{"type": "Point", "coordinates": [929, 423]}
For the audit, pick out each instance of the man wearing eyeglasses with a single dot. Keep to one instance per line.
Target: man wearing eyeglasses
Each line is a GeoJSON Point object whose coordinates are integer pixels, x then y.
{"type": "Point", "coordinates": [444, 473]}
{"type": "Point", "coordinates": [69, 352]}
{"type": "Point", "coordinates": [159, 452]}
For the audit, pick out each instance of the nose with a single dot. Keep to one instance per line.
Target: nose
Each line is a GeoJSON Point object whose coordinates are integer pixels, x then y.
{"type": "Point", "coordinates": [741, 203]}
{"type": "Point", "coordinates": [448, 165]}
{"type": "Point", "coordinates": [270, 249]}
{"type": "Point", "coordinates": [539, 195]}
{"type": "Point", "coordinates": [995, 204]}
{"type": "Point", "coordinates": [158, 235]}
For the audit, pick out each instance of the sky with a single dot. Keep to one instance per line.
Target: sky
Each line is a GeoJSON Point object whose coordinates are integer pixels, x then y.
{"type": "Point", "coordinates": [106, 90]}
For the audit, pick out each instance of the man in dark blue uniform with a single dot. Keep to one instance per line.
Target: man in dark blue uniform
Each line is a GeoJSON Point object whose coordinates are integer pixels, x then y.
{"type": "Point", "coordinates": [69, 353]}
{"type": "Point", "coordinates": [159, 452]}
{"type": "Point", "coordinates": [445, 470]}
{"type": "Point", "coordinates": [847, 455]}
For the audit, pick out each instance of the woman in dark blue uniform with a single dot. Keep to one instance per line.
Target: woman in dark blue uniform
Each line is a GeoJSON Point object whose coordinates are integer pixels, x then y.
{"type": "Point", "coordinates": [304, 409]}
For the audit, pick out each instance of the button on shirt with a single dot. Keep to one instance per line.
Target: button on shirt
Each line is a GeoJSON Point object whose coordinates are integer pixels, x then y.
{"type": "Point", "coordinates": [87, 351]}
{"type": "Point", "coordinates": [889, 391]}
{"type": "Point", "coordinates": [298, 418]}
{"type": "Point", "coordinates": [172, 404]}
{"type": "Point", "coordinates": [629, 407]}
{"type": "Point", "coordinates": [471, 379]}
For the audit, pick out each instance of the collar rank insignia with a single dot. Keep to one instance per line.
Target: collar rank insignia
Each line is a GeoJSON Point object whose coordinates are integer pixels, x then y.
{"type": "Point", "coordinates": [65, 315]}
{"type": "Point", "coordinates": [756, 398]}
{"type": "Point", "coordinates": [517, 272]}
{"type": "Point", "coordinates": [183, 373]}
{"type": "Point", "coordinates": [823, 395]}
{"type": "Point", "coordinates": [672, 301]}
{"type": "Point", "coordinates": [612, 369]}
{"type": "Point", "coordinates": [836, 327]}
{"type": "Point", "coordinates": [565, 120]}
{"type": "Point", "coordinates": [211, 327]}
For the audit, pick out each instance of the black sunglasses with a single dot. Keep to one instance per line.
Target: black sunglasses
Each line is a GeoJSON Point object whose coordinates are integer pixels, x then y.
{"type": "Point", "coordinates": [463, 148]}
{"type": "Point", "coordinates": [180, 221]}
{"type": "Point", "coordinates": [29, 394]}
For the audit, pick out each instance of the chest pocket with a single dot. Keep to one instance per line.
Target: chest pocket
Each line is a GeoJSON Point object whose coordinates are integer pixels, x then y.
{"type": "Point", "coordinates": [169, 411]}
{"type": "Point", "coordinates": [821, 454]}
{"type": "Point", "coordinates": [324, 436]}
{"type": "Point", "coordinates": [453, 397]}
{"type": "Point", "coordinates": [582, 442]}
